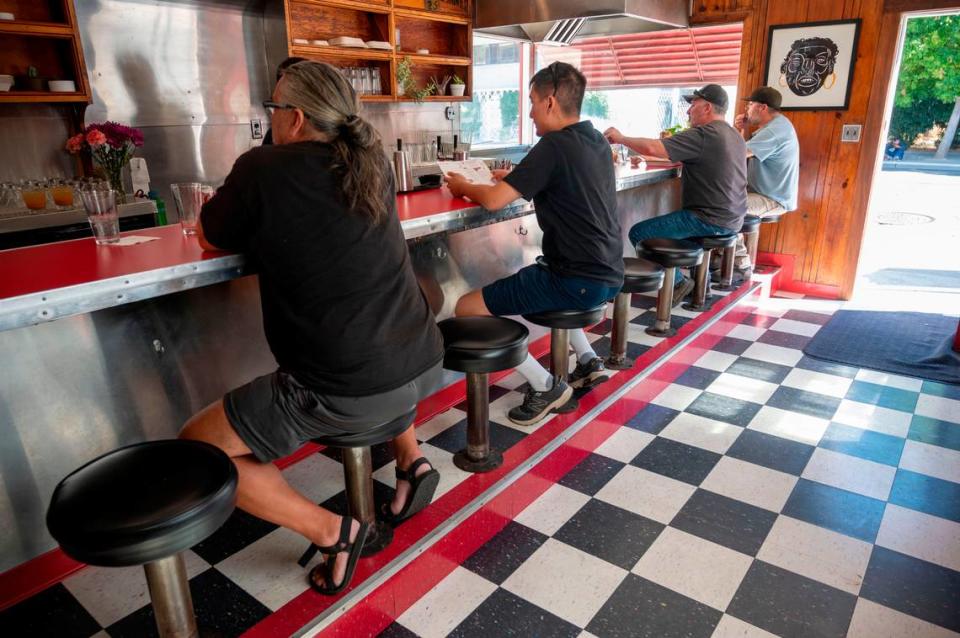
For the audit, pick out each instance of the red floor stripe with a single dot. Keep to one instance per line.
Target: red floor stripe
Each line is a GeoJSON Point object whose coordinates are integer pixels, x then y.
{"type": "Point", "coordinates": [389, 601]}
{"type": "Point", "coordinates": [309, 604]}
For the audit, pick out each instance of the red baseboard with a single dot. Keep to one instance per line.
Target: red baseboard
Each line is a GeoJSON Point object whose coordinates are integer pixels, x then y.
{"type": "Point", "coordinates": [788, 283]}
{"type": "Point", "coordinates": [38, 573]}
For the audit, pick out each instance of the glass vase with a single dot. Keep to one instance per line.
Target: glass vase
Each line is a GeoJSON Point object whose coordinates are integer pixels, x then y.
{"type": "Point", "coordinates": [113, 173]}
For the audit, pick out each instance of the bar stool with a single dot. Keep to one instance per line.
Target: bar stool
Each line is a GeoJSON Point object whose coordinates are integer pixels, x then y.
{"type": "Point", "coordinates": [639, 275]}
{"type": "Point", "coordinates": [671, 254]}
{"type": "Point", "coordinates": [751, 234]}
{"type": "Point", "coordinates": [358, 478]}
{"type": "Point", "coordinates": [559, 322]}
{"type": "Point", "coordinates": [479, 346]}
{"type": "Point", "coordinates": [702, 274]}
{"type": "Point", "coordinates": [144, 504]}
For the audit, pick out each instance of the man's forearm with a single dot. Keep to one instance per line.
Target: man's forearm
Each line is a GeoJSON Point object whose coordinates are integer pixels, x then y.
{"type": "Point", "coordinates": [646, 146]}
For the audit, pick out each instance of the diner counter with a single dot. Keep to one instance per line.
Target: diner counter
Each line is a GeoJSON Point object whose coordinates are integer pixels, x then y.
{"type": "Point", "coordinates": [48, 282]}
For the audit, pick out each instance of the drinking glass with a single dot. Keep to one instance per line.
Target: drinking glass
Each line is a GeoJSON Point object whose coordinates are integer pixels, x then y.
{"type": "Point", "coordinates": [375, 81]}
{"type": "Point", "coordinates": [62, 193]}
{"type": "Point", "coordinates": [101, 206]}
{"type": "Point", "coordinates": [34, 195]}
{"type": "Point", "coordinates": [189, 199]}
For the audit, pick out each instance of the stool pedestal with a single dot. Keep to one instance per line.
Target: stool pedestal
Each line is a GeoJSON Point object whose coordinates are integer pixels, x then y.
{"type": "Point", "coordinates": [478, 456]}
{"type": "Point", "coordinates": [618, 359]}
{"type": "Point", "coordinates": [358, 478]}
{"type": "Point", "coordinates": [170, 595]}
{"type": "Point", "coordinates": [661, 327]}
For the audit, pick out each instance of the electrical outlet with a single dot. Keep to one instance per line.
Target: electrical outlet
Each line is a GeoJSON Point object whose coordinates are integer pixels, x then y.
{"type": "Point", "coordinates": [256, 129]}
{"type": "Point", "coordinates": [449, 113]}
{"type": "Point", "coordinates": [850, 133]}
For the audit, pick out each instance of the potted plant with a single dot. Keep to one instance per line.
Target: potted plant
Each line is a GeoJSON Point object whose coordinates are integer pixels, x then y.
{"type": "Point", "coordinates": [408, 85]}
{"type": "Point", "coordinates": [111, 146]}
{"type": "Point", "coordinates": [457, 86]}
{"type": "Point", "coordinates": [32, 81]}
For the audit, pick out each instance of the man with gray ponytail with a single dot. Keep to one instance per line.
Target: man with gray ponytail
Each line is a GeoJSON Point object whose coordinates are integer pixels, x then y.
{"type": "Point", "coordinates": [355, 341]}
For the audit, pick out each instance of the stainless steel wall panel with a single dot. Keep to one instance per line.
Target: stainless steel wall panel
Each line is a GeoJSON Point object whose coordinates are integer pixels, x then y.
{"type": "Point", "coordinates": [32, 138]}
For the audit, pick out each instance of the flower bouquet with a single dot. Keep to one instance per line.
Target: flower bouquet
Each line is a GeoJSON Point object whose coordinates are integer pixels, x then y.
{"type": "Point", "coordinates": [111, 146]}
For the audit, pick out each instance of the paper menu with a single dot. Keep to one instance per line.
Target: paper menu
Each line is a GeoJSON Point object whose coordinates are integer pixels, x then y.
{"type": "Point", "coordinates": [475, 170]}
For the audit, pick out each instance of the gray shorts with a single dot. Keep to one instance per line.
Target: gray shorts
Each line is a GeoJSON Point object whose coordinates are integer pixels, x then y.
{"type": "Point", "coordinates": [274, 414]}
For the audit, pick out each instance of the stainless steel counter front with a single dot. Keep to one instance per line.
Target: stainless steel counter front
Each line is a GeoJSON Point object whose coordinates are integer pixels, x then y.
{"type": "Point", "coordinates": [129, 358]}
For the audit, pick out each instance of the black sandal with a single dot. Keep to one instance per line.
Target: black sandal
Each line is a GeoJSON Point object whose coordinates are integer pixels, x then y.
{"type": "Point", "coordinates": [422, 489]}
{"type": "Point", "coordinates": [325, 569]}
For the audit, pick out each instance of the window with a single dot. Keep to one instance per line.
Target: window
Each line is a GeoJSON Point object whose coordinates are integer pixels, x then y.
{"type": "Point", "coordinates": [492, 119]}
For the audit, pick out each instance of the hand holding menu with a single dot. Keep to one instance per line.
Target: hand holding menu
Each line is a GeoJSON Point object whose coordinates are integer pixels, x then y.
{"type": "Point", "coordinates": [475, 170]}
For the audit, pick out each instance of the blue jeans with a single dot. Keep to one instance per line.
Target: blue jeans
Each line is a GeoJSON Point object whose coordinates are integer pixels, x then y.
{"type": "Point", "coordinates": [680, 224]}
{"type": "Point", "coordinates": [536, 288]}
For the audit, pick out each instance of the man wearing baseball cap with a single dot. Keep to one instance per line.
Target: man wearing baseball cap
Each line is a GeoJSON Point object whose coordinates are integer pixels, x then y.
{"type": "Point", "coordinates": [773, 164]}
{"type": "Point", "coordinates": [714, 179]}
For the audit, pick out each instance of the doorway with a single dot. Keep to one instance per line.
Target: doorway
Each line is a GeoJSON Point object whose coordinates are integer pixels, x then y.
{"type": "Point", "coordinates": [909, 258]}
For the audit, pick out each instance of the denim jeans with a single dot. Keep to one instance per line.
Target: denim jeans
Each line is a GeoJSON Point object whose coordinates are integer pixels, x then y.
{"type": "Point", "coordinates": [680, 224]}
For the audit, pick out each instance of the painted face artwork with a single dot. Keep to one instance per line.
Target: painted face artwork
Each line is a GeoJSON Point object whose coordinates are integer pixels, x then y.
{"type": "Point", "coordinates": [808, 64]}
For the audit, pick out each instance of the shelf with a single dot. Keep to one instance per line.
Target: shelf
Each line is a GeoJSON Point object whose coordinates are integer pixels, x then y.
{"type": "Point", "coordinates": [306, 51]}
{"type": "Point", "coordinates": [379, 6]}
{"type": "Point", "coordinates": [41, 96]}
{"type": "Point", "coordinates": [438, 98]}
{"type": "Point", "coordinates": [17, 27]}
{"type": "Point", "coordinates": [417, 58]}
{"type": "Point", "coordinates": [443, 7]}
{"type": "Point", "coordinates": [377, 98]}
{"type": "Point", "coordinates": [430, 15]}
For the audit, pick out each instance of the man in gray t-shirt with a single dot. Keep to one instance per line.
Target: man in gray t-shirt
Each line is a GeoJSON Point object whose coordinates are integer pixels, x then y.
{"type": "Point", "coordinates": [714, 182]}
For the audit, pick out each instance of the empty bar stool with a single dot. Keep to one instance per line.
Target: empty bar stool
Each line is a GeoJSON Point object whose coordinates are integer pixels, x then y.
{"type": "Point", "coordinates": [143, 505]}
{"type": "Point", "coordinates": [701, 276]}
{"type": "Point", "coordinates": [559, 322]}
{"type": "Point", "coordinates": [639, 275]}
{"type": "Point", "coordinates": [479, 346]}
{"type": "Point", "coordinates": [751, 233]}
{"type": "Point", "coordinates": [669, 253]}
{"type": "Point", "coordinates": [358, 479]}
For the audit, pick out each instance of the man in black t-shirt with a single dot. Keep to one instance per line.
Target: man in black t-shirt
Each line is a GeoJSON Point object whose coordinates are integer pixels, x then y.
{"type": "Point", "coordinates": [355, 341]}
{"type": "Point", "coordinates": [714, 181]}
{"type": "Point", "coordinates": [569, 175]}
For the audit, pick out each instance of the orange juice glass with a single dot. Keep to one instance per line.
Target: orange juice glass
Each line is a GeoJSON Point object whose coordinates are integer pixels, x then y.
{"type": "Point", "coordinates": [34, 198]}
{"type": "Point", "coordinates": [62, 195]}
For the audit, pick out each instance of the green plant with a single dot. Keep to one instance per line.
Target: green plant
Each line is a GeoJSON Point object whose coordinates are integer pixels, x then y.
{"type": "Point", "coordinates": [456, 80]}
{"type": "Point", "coordinates": [32, 72]}
{"type": "Point", "coordinates": [676, 128]}
{"type": "Point", "coordinates": [408, 85]}
{"type": "Point", "coordinates": [596, 105]}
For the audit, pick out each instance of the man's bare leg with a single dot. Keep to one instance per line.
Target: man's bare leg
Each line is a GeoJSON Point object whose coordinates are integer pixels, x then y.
{"type": "Point", "coordinates": [406, 450]}
{"type": "Point", "coordinates": [262, 490]}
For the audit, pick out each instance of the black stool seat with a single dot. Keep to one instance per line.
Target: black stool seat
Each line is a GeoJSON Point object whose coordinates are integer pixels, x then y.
{"type": "Point", "coordinates": [143, 502]}
{"type": "Point", "coordinates": [483, 344]}
{"type": "Point", "coordinates": [717, 241]}
{"type": "Point", "coordinates": [671, 252]}
{"type": "Point", "coordinates": [567, 319]}
{"type": "Point", "coordinates": [771, 219]}
{"type": "Point", "coordinates": [750, 224]}
{"type": "Point", "coordinates": [372, 436]}
{"type": "Point", "coordinates": [641, 275]}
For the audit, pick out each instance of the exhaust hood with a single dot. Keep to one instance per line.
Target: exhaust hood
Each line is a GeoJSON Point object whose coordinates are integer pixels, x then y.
{"type": "Point", "coordinates": [558, 22]}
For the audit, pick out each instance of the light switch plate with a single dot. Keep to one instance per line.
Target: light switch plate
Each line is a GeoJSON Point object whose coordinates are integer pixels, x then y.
{"type": "Point", "coordinates": [256, 129]}
{"type": "Point", "coordinates": [850, 133]}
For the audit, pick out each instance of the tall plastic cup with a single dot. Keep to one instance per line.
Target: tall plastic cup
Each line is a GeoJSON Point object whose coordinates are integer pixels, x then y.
{"type": "Point", "coordinates": [101, 207]}
{"type": "Point", "coordinates": [189, 199]}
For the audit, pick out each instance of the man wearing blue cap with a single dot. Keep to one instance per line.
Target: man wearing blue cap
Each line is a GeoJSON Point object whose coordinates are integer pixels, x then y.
{"type": "Point", "coordinates": [714, 181]}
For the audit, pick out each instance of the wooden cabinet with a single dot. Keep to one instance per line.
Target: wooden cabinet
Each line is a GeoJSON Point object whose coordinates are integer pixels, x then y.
{"type": "Point", "coordinates": [437, 42]}
{"type": "Point", "coordinates": [42, 35]}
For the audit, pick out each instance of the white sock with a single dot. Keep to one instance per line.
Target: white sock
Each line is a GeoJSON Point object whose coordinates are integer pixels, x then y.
{"type": "Point", "coordinates": [578, 339]}
{"type": "Point", "coordinates": [535, 374]}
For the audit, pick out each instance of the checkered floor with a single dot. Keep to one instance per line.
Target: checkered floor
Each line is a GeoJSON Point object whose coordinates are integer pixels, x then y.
{"type": "Point", "coordinates": [247, 570]}
{"type": "Point", "coordinates": [762, 493]}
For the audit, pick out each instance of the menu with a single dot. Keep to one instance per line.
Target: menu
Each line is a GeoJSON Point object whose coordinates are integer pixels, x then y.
{"type": "Point", "coordinates": [475, 170]}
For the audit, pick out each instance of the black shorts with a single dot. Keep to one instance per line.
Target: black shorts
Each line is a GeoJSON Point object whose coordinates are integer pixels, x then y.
{"type": "Point", "coordinates": [274, 414]}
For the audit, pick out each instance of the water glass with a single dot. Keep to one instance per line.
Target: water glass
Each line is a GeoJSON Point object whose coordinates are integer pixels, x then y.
{"type": "Point", "coordinates": [34, 195]}
{"type": "Point", "coordinates": [189, 199]}
{"type": "Point", "coordinates": [101, 207]}
{"type": "Point", "coordinates": [375, 81]}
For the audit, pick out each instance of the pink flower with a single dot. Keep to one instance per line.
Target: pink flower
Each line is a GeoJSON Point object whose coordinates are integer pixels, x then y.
{"type": "Point", "coordinates": [75, 143]}
{"type": "Point", "coordinates": [96, 138]}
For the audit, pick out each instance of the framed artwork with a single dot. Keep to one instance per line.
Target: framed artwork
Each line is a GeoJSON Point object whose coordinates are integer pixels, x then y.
{"type": "Point", "coordinates": [811, 64]}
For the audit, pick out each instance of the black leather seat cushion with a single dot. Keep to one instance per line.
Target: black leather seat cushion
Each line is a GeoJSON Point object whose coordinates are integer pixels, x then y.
{"type": "Point", "coordinates": [567, 318]}
{"type": "Point", "coordinates": [483, 344]}
{"type": "Point", "coordinates": [671, 252]}
{"type": "Point", "coordinates": [143, 502]}
{"type": "Point", "coordinates": [641, 275]}
{"type": "Point", "coordinates": [374, 435]}
{"type": "Point", "coordinates": [751, 223]}
{"type": "Point", "coordinates": [717, 241]}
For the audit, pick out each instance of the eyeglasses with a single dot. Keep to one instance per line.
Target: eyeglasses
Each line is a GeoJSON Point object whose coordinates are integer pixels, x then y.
{"type": "Point", "coordinates": [274, 106]}
{"type": "Point", "coordinates": [553, 77]}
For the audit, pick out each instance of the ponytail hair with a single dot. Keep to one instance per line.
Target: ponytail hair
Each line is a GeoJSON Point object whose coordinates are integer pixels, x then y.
{"type": "Point", "coordinates": [331, 107]}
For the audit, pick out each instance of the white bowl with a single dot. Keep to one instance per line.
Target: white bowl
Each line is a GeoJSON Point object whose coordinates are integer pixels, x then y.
{"type": "Point", "coordinates": [62, 86]}
{"type": "Point", "coordinates": [4, 15]}
{"type": "Point", "coordinates": [5, 84]}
